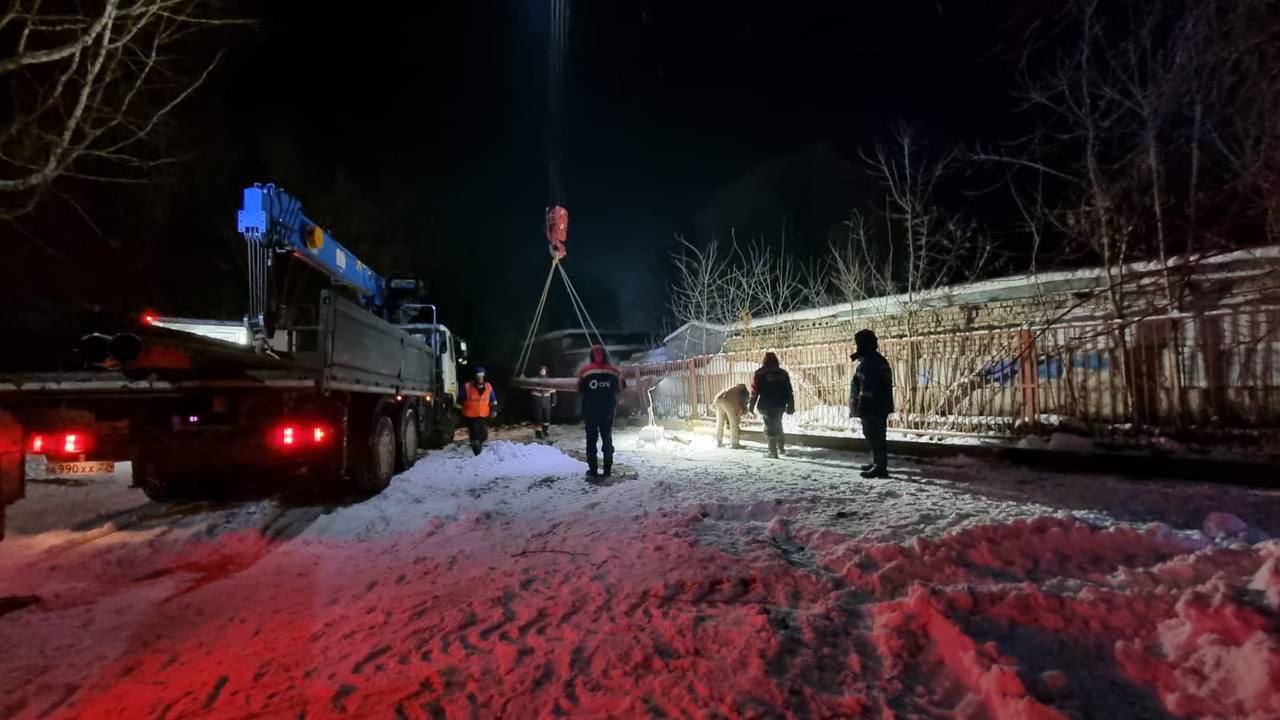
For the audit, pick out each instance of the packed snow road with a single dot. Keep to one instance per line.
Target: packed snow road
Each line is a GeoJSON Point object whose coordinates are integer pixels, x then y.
{"type": "Point", "coordinates": [697, 583]}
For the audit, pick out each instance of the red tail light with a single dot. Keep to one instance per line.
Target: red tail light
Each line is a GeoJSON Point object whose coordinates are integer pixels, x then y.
{"type": "Point", "coordinates": [291, 436]}
{"type": "Point", "coordinates": [75, 442]}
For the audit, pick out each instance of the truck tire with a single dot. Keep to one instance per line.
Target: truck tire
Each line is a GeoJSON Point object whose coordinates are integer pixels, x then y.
{"type": "Point", "coordinates": [407, 447]}
{"type": "Point", "coordinates": [441, 431]}
{"type": "Point", "coordinates": [159, 483]}
{"type": "Point", "coordinates": [376, 462]}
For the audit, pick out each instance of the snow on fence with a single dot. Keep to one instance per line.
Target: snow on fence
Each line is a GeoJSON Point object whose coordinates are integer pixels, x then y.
{"type": "Point", "coordinates": [1216, 369]}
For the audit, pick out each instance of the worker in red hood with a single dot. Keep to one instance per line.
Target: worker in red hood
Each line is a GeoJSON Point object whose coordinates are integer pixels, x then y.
{"type": "Point", "coordinates": [599, 383]}
{"type": "Point", "coordinates": [771, 392]}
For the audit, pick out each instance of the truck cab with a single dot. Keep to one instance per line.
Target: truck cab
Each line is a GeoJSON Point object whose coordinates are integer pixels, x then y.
{"type": "Point", "coordinates": [451, 351]}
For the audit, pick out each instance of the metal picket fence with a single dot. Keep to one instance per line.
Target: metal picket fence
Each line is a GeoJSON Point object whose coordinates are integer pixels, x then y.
{"type": "Point", "coordinates": [1219, 369]}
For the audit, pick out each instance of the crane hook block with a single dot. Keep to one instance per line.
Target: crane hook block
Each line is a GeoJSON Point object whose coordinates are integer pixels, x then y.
{"type": "Point", "coordinates": [557, 231]}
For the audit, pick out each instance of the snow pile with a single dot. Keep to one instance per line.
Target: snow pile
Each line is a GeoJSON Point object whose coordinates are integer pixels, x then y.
{"type": "Point", "coordinates": [1066, 442]}
{"type": "Point", "coordinates": [1267, 579]}
{"type": "Point", "coordinates": [500, 457]}
{"type": "Point", "coordinates": [1173, 612]}
{"type": "Point", "coordinates": [438, 483]}
{"type": "Point", "coordinates": [989, 681]}
{"type": "Point", "coordinates": [1221, 525]}
{"type": "Point", "coordinates": [1216, 657]}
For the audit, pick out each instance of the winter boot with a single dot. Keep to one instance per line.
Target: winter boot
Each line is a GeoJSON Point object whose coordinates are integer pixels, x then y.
{"type": "Point", "coordinates": [876, 472]}
{"type": "Point", "coordinates": [591, 468]}
{"type": "Point", "coordinates": [867, 467]}
{"type": "Point", "coordinates": [773, 448]}
{"type": "Point", "coordinates": [782, 446]}
{"type": "Point", "coordinates": [608, 465]}
{"type": "Point", "coordinates": [546, 431]}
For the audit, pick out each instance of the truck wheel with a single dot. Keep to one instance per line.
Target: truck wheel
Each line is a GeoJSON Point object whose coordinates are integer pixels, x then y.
{"type": "Point", "coordinates": [441, 432]}
{"type": "Point", "coordinates": [408, 445]}
{"type": "Point", "coordinates": [373, 471]}
{"type": "Point", "coordinates": [158, 483]}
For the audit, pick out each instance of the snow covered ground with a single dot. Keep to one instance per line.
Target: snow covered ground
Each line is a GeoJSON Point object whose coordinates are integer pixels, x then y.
{"type": "Point", "coordinates": [697, 583]}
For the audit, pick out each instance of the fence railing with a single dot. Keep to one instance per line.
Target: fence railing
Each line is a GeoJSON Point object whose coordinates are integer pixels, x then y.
{"type": "Point", "coordinates": [1219, 369]}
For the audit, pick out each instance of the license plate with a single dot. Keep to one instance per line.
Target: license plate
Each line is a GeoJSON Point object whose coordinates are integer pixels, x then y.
{"type": "Point", "coordinates": [50, 469]}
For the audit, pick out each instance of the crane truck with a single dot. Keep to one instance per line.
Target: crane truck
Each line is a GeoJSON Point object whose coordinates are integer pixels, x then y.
{"type": "Point", "coordinates": [336, 372]}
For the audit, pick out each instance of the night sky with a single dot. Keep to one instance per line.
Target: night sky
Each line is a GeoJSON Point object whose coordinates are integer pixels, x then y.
{"type": "Point", "coordinates": [420, 137]}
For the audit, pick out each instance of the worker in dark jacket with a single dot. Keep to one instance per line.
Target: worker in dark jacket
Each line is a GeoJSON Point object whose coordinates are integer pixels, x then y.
{"type": "Point", "coordinates": [731, 405]}
{"type": "Point", "coordinates": [771, 392]}
{"type": "Point", "coordinates": [871, 399]}
{"type": "Point", "coordinates": [599, 383]}
{"type": "Point", "coordinates": [479, 403]}
{"type": "Point", "coordinates": [544, 398]}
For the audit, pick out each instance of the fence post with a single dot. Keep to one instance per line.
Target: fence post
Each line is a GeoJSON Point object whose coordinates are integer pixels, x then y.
{"type": "Point", "coordinates": [1029, 387]}
{"type": "Point", "coordinates": [693, 390]}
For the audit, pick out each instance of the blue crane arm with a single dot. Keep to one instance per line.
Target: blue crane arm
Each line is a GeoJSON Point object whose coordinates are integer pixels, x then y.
{"type": "Point", "coordinates": [274, 218]}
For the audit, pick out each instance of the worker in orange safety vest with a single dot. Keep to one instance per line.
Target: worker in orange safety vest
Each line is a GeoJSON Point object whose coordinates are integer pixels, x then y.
{"type": "Point", "coordinates": [479, 403]}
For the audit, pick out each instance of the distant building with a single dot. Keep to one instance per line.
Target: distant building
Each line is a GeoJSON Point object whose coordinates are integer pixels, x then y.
{"type": "Point", "coordinates": [1190, 349]}
{"type": "Point", "coordinates": [1237, 279]}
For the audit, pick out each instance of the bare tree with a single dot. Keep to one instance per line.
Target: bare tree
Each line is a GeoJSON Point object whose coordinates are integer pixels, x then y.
{"type": "Point", "coordinates": [90, 86]}
{"type": "Point", "coordinates": [769, 280]}
{"type": "Point", "coordinates": [764, 281]}
{"type": "Point", "coordinates": [928, 247]}
{"type": "Point", "coordinates": [815, 282]}
{"type": "Point", "coordinates": [1159, 123]}
{"type": "Point", "coordinates": [737, 283]}
{"type": "Point", "coordinates": [698, 290]}
{"type": "Point", "coordinates": [856, 269]}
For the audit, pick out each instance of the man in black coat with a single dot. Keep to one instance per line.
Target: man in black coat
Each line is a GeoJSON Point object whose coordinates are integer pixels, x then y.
{"type": "Point", "coordinates": [871, 399]}
{"type": "Point", "coordinates": [771, 391]}
{"type": "Point", "coordinates": [599, 384]}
